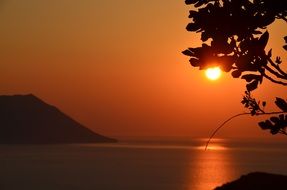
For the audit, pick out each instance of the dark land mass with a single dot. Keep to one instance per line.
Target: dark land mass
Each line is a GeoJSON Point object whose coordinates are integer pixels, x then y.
{"type": "Point", "coordinates": [25, 119]}
{"type": "Point", "coordinates": [257, 180]}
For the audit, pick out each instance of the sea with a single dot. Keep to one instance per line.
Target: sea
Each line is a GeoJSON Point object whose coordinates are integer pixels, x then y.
{"type": "Point", "coordinates": [172, 164]}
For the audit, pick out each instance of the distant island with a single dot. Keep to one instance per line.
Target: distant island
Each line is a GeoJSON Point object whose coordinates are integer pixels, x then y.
{"type": "Point", "coordinates": [257, 180]}
{"type": "Point", "coordinates": [26, 119]}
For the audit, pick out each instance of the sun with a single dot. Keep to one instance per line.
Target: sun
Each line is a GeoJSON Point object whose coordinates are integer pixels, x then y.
{"type": "Point", "coordinates": [213, 73]}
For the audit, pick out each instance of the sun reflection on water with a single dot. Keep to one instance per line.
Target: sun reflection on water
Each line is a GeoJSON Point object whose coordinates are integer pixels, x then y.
{"type": "Point", "coordinates": [213, 147]}
{"type": "Point", "coordinates": [212, 167]}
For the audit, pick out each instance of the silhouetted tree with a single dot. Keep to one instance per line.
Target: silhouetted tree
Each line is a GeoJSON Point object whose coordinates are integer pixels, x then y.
{"type": "Point", "coordinates": [234, 37]}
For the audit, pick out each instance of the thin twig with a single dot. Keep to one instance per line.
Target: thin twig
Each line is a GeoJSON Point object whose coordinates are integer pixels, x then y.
{"type": "Point", "coordinates": [273, 80]}
{"type": "Point", "coordinates": [218, 128]}
{"type": "Point", "coordinates": [277, 67]}
{"type": "Point", "coordinates": [237, 115]}
{"type": "Point", "coordinates": [278, 75]}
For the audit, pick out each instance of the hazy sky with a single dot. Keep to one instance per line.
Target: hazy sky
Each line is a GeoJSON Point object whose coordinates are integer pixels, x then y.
{"type": "Point", "coordinates": [117, 67]}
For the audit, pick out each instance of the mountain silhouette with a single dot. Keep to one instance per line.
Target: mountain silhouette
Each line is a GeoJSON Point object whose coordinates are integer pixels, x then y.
{"type": "Point", "coordinates": [26, 119]}
{"type": "Point", "coordinates": [257, 180]}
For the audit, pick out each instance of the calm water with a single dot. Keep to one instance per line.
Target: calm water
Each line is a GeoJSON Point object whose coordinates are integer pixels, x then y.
{"type": "Point", "coordinates": [150, 165]}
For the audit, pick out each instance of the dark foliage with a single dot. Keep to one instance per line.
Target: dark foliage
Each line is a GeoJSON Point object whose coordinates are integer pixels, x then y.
{"type": "Point", "coordinates": [251, 103]}
{"type": "Point", "coordinates": [26, 119]}
{"type": "Point", "coordinates": [234, 36]}
{"type": "Point", "coordinates": [256, 180]}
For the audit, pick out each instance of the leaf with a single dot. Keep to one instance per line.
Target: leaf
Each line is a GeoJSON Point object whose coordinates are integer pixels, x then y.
{"type": "Point", "coordinates": [282, 104]}
{"type": "Point", "coordinates": [192, 27]}
{"type": "Point", "coordinates": [199, 3]}
{"type": "Point", "coordinates": [275, 130]}
{"type": "Point", "coordinates": [285, 47]}
{"type": "Point", "coordinates": [250, 77]}
{"type": "Point", "coordinates": [257, 32]}
{"type": "Point", "coordinates": [263, 40]}
{"type": "Point", "coordinates": [269, 53]}
{"type": "Point", "coordinates": [192, 13]}
{"type": "Point", "coordinates": [194, 62]}
{"type": "Point", "coordinates": [187, 52]}
{"type": "Point", "coordinates": [204, 36]}
{"type": "Point", "coordinates": [188, 2]}
{"type": "Point", "coordinates": [236, 74]}
{"type": "Point", "coordinates": [267, 20]}
{"type": "Point", "coordinates": [252, 86]}
{"type": "Point", "coordinates": [274, 119]}
{"type": "Point", "coordinates": [278, 60]}
{"type": "Point", "coordinates": [264, 104]}
{"type": "Point", "coordinates": [265, 124]}
{"type": "Point", "coordinates": [281, 117]}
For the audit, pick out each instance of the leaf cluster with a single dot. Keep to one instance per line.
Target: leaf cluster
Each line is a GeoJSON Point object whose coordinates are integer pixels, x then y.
{"type": "Point", "coordinates": [277, 124]}
{"type": "Point", "coordinates": [234, 37]}
{"type": "Point", "coordinates": [255, 107]}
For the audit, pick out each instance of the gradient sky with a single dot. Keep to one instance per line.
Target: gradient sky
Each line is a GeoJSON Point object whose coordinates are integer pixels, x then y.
{"type": "Point", "coordinates": [117, 67]}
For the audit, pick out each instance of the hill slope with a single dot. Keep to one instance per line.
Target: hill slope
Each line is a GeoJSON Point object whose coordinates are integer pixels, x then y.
{"type": "Point", "coordinates": [257, 180]}
{"type": "Point", "coordinates": [25, 119]}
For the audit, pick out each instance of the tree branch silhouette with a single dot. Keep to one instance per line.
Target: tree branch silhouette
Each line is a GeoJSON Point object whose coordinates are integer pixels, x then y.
{"type": "Point", "coordinates": [235, 116]}
{"type": "Point", "coordinates": [278, 75]}
{"type": "Point", "coordinates": [273, 80]}
{"type": "Point", "coordinates": [234, 35]}
{"type": "Point", "coordinates": [277, 67]}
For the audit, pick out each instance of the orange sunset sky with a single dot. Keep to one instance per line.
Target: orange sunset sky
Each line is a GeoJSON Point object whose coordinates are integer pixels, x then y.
{"type": "Point", "coordinates": [117, 67]}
